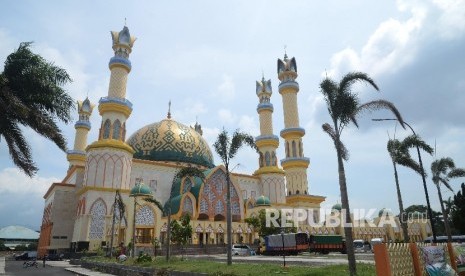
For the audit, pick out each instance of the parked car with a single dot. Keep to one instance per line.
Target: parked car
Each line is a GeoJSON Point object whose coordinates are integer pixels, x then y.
{"type": "Point", "coordinates": [55, 257]}
{"type": "Point", "coordinates": [359, 246]}
{"type": "Point", "coordinates": [242, 249]}
{"type": "Point", "coordinates": [29, 255]}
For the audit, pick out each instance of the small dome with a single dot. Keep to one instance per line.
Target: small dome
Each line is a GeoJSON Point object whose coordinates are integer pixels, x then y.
{"type": "Point", "coordinates": [382, 211]}
{"type": "Point", "coordinates": [140, 189]}
{"type": "Point", "coordinates": [336, 206]}
{"type": "Point", "coordinates": [171, 141]}
{"type": "Point", "coordinates": [262, 201]}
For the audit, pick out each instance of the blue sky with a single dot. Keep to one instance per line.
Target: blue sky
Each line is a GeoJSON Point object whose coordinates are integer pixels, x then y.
{"type": "Point", "coordinates": [205, 57]}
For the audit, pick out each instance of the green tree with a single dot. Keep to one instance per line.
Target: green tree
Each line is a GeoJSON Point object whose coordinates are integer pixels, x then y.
{"type": "Point", "coordinates": [2, 246]}
{"type": "Point", "coordinates": [344, 106]}
{"type": "Point", "coordinates": [227, 148]}
{"type": "Point", "coordinates": [458, 212]}
{"type": "Point", "coordinates": [181, 232]}
{"type": "Point", "coordinates": [32, 95]}
{"type": "Point", "coordinates": [443, 170]}
{"type": "Point", "coordinates": [399, 153]}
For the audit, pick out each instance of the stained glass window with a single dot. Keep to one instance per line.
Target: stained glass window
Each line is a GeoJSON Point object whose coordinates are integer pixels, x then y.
{"type": "Point", "coordinates": [219, 207]}
{"type": "Point", "coordinates": [203, 206]}
{"type": "Point", "coordinates": [187, 205]}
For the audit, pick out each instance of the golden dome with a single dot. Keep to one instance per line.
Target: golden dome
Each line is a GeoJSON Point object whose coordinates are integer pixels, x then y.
{"type": "Point", "coordinates": [169, 140]}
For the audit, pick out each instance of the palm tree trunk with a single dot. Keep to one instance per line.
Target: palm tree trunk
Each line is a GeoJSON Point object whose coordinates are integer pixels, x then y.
{"type": "Point", "coordinates": [346, 211]}
{"type": "Point", "coordinates": [401, 206]}
{"type": "Point", "coordinates": [228, 215]}
{"type": "Point", "coordinates": [444, 215]}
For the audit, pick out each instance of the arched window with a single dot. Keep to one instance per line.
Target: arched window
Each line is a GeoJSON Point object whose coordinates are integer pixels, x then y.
{"type": "Point", "coordinates": [97, 224]}
{"type": "Point", "coordinates": [289, 192]}
{"type": "Point", "coordinates": [294, 150]}
{"type": "Point", "coordinates": [273, 159]}
{"type": "Point", "coordinates": [301, 151]}
{"type": "Point", "coordinates": [116, 130]}
{"type": "Point", "coordinates": [287, 149]}
{"type": "Point", "coordinates": [260, 160]}
{"type": "Point", "coordinates": [267, 158]}
{"type": "Point", "coordinates": [188, 206]}
{"type": "Point", "coordinates": [106, 129]}
{"type": "Point", "coordinates": [297, 192]}
{"type": "Point", "coordinates": [124, 132]}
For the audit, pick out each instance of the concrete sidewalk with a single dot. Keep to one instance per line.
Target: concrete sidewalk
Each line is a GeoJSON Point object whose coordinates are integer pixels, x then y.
{"type": "Point", "coordinates": [75, 268]}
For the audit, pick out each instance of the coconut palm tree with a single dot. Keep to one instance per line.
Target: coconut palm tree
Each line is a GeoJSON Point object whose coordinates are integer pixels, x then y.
{"type": "Point", "coordinates": [443, 170]}
{"type": "Point", "coordinates": [227, 148]}
{"type": "Point", "coordinates": [180, 174]}
{"type": "Point", "coordinates": [32, 95]}
{"type": "Point", "coordinates": [399, 153]}
{"type": "Point", "coordinates": [344, 106]}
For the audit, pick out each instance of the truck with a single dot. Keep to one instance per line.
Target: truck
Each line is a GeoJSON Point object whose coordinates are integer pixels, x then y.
{"type": "Point", "coordinates": [285, 244]}
{"type": "Point", "coordinates": [327, 243]}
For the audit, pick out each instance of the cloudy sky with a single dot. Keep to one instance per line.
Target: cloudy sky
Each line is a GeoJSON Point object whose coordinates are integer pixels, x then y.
{"type": "Point", "coordinates": [205, 57]}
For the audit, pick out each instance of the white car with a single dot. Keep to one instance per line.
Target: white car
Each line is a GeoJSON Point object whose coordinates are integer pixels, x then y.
{"type": "Point", "coordinates": [241, 249]}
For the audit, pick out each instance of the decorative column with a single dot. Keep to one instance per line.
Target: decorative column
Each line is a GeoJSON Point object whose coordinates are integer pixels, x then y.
{"type": "Point", "coordinates": [295, 164]}
{"type": "Point", "coordinates": [271, 176]}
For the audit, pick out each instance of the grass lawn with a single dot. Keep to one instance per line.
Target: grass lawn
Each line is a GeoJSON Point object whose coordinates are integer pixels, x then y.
{"type": "Point", "coordinates": [219, 268]}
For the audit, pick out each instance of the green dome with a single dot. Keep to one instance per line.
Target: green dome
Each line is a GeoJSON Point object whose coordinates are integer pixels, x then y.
{"type": "Point", "coordinates": [336, 206]}
{"type": "Point", "coordinates": [140, 189]}
{"type": "Point", "coordinates": [171, 141]}
{"type": "Point", "coordinates": [262, 201]}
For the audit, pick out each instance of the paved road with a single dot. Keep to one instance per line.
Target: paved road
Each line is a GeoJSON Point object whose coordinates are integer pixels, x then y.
{"type": "Point", "coordinates": [16, 268]}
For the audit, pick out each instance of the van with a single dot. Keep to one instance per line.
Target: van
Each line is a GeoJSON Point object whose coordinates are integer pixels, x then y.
{"type": "Point", "coordinates": [241, 249]}
{"type": "Point", "coordinates": [25, 256]}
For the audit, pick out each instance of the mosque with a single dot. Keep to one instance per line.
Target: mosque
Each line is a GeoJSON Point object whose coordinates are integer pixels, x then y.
{"type": "Point", "coordinates": [79, 210]}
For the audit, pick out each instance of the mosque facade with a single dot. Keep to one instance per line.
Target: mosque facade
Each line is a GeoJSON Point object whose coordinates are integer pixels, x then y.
{"type": "Point", "coordinates": [79, 211]}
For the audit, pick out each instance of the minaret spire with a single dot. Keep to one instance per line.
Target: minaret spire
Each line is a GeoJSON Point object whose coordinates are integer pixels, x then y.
{"type": "Point", "coordinates": [169, 110]}
{"type": "Point", "coordinates": [272, 177]}
{"type": "Point", "coordinates": [295, 164]}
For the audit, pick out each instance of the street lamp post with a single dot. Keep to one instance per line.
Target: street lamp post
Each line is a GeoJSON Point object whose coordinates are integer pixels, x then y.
{"type": "Point", "coordinates": [284, 255]}
{"type": "Point", "coordinates": [430, 213]}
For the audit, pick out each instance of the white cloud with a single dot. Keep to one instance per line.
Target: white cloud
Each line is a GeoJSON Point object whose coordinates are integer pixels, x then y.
{"type": "Point", "coordinates": [226, 90]}
{"type": "Point", "coordinates": [13, 181]}
{"type": "Point", "coordinates": [248, 125]}
{"type": "Point", "coordinates": [226, 116]}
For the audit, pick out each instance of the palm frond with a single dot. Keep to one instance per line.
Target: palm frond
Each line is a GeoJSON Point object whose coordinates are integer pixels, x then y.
{"type": "Point", "coordinates": [189, 172]}
{"type": "Point", "coordinates": [412, 141]}
{"type": "Point", "coordinates": [407, 161]}
{"type": "Point", "coordinates": [351, 78]}
{"type": "Point", "coordinates": [238, 139]}
{"type": "Point", "coordinates": [377, 105]}
{"type": "Point", "coordinates": [154, 201]}
{"type": "Point", "coordinates": [221, 146]}
{"type": "Point", "coordinates": [337, 143]}
{"type": "Point", "coordinates": [457, 172]}
{"type": "Point", "coordinates": [446, 183]}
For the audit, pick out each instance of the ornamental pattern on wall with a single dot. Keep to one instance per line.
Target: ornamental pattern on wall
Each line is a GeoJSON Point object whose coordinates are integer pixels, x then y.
{"type": "Point", "coordinates": [97, 224]}
{"type": "Point", "coordinates": [145, 216]}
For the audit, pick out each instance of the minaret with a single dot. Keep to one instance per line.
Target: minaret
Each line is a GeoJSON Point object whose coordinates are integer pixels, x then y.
{"type": "Point", "coordinates": [271, 176]}
{"type": "Point", "coordinates": [295, 164]}
{"type": "Point", "coordinates": [77, 156]}
{"type": "Point", "coordinates": [109, 159]}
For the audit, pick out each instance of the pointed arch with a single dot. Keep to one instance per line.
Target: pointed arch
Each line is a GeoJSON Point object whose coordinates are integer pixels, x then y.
{"type": "Point", "coordinates": [106, 129]}
{"type": "Point", "coordinates": [116, 130]}
{"type": "Point", "coordinates": [294, 149]}
{"type": "Point", "coordinates": [267, 159]}
{"type": "Point", "coordinates": [98, 211]}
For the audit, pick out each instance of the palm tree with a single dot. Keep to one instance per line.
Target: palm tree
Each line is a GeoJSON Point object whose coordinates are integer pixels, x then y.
{"type": "Point", "coordinates": [180, 174]}
{"type": "Point", "coordinates": [32, 95]}
{"type": "Point", "coordinates": [443, 170]}
{"type": "Point", "coordinates": [399, 152]}
{"type": "Point", "coordinates": [227, 148]}
{"type": "Point", "coordinates": [343, 107]}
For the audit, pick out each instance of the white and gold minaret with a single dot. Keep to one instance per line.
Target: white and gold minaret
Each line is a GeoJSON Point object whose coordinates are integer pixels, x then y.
{"type": "Point", "coordinates": [295, 164]}
{"type": "Point", "coordinates": [271, 176]}
{"type": "Point", "coordinates": [109, 159]}
{"type": "Point", "coordinates": [77, 156]}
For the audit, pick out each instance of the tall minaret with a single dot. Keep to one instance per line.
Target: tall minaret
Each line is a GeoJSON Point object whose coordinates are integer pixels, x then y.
{"type": "Point", "coordinates": [77, 156]}
{"type": "Point", "coordinates": [295, 164]}
{"type": "Point", "coordinates": [271, 176]}
{"type": "Point", "coordinates": [109, 159]}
